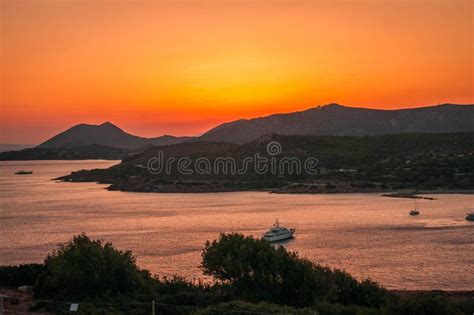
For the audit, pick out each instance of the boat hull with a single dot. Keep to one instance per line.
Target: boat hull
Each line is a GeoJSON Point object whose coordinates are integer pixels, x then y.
{"type": "Point", "coordinates": [281, 237]}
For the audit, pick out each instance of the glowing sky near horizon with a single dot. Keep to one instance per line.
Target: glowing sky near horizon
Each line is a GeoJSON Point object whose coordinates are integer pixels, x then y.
{"type": "Point", "coordinates": [181, 67]}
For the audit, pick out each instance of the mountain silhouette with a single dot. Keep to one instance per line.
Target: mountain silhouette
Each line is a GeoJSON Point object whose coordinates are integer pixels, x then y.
{"type": "Point", "coordinates": [106, 134]}
{"type": "Point", "coordinates": [338, 120]}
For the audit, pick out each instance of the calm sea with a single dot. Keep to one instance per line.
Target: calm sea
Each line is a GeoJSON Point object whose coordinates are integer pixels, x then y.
{"type": "Point", "coordinates": [365, 234]}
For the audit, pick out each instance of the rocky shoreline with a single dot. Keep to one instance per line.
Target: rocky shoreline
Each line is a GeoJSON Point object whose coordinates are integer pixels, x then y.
{"type": "Point", "coordinates": [143, 184]}
{"type": "Point", "coordinates": [147, 184]}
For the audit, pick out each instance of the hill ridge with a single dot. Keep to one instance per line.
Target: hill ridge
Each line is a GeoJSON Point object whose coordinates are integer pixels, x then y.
{"type": "Point", "coordinates": [106, 134]}
{"type": "Point", "coordinates": [336, 119]}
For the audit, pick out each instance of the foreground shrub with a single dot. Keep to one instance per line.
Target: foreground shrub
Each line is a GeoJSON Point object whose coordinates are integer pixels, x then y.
{"type": "Point", "coordinates": [15, 276]}
{"type": "Point", "coordinates": [431, 305]}
{"type": "Point", "coordinates": [325, 308]}
{"type": "Point", "coordinates": [260, 272]}
{"type": "Point", "coordinates": [347, 290]}
{"type": "Point", "coordinates": [179, 291]}
{"type": "Point", "coordinates": [86, 269]}
{"type": "Point", "coordinates": [244, 308]}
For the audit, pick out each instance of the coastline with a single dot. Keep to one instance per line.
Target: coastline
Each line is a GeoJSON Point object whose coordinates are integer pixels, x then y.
{"type": "Point", "coordinates": [139, 184]}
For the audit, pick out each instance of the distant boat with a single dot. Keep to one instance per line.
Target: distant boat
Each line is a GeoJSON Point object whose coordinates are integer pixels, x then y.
{"type": "Point", "coordinates": [24, 172]}
{"type": "Point", "coordinates": [470, 216]}
{"type": "Point", "coordinates": [278, 233]}
{"type": "Point", "coordinates": [415, 211]}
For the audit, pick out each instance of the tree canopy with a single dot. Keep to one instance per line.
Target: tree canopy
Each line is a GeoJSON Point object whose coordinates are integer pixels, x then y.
{"type": "Point", "coordinates": [89, 268]}
{"type": "Point", "coordinates": [259, 271]}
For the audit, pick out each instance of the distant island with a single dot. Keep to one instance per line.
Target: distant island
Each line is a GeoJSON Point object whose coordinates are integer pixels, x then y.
{"type": "Point", "coordinates": [80, 142]}
{"type": "Point", "coordinates": [87, 152]}
{"type": "Point", "coordinates": [106, 134]}
{"type": "Point", "coordinates": [430, 162]}
{"type": "Point", "coordinates": [107, 141]}
{"type": "Point", "coordinates": [14, 147]}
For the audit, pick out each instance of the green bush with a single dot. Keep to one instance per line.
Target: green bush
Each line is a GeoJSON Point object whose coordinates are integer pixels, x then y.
{"type": "Point", "coordinates": [244, 308]}
{"type": "Point", "coordinates": [15, 276]}
{"type": "Point", "coordinates": [179, 291]}
{"type": "Point", "coordinates": [86, 269]}
{"type": "Point", "coordinates": [260, 272]}
{"type": "Point", "coordinates": [348, 290]}
{"type": "Point", "coordinates": [325, 308]}
{"type": "Point", "coordinates": [431, 305]}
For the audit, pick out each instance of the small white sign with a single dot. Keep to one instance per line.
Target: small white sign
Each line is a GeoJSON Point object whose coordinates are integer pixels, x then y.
{"type": "Point", "coordinates": [74, 307]}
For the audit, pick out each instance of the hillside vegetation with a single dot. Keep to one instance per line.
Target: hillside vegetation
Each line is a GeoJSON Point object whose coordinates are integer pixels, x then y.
{"type": "Point", "coordinates": [343, 164]}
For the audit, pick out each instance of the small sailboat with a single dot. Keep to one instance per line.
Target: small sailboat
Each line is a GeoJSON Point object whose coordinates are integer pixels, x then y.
{"type": "Point", "coordinates": [470, 216]}
{"type": "Point", "coordinates": [415, 211]}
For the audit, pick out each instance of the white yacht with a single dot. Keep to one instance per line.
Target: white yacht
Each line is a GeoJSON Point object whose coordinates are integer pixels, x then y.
{"type": "Point", "coordinates": [278, 233]}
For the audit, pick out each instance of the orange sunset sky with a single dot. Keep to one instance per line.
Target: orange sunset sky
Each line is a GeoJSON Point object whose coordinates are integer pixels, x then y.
{"type": "Point", "coordinates": [181, 67]}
